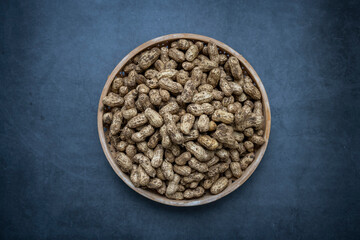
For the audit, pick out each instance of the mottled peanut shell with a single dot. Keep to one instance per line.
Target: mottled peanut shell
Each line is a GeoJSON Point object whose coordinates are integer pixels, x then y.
{"type": "Point", "coordinates": [214, 77]}
{"type": "Point", "coordinates": [182, 170]}
{"type": "Point", "coordinates": [203, 123]}
{"type": "Point", "coordinates": [173, 185]}
{"type": "Point", "coordinates": [171, 107]}
{"type": "Point", "coordinates": [148, 58]}
{"type": "Point", "coordinates": [202, 97]}
{"type": "Point", "coordinates": [219, 185]}
{"type": "Point", "coordinates": [171, 64]}
{"type": "Point", "coordinates": [207, 65]}
{"type": "Point", "coordinates": [210, 181]}
{"type": "Point", "coordinates": [251, 120]}
{"type": "Point", "coordinates": [193, 135]}
{"type": "Point", "coordinates": [129, 113]}
{"type": "Point", "coordinates": [187, 122]}
{"type": "Point", "coordinates": [228, 174]}
{"type": "Point", "coordinates": [235, 67]}
{"type": "Point", "coordinates": [162, 189]}
{"type": "Point", "coordinates": [249, 132]}
{"type": "Point", "coordinates": [121, 146]}
{"type": "Point", "coordinates": [252, 91]}
{"type": "Point", "coordinates": [234, 155]}
{"type": "Point", "coordinates": [208, 142]}
{"type": "Point", "coordinates": [154, 183]}
{"type": "Point", "coordinates": [143, 102]}
{"type": "Point", "coordinates": [192, 53]}
{"type": "Point", "coordinates": [200, 45]}
{"type": "Point", "coordinates": [188, 66]}
{"type": "Point", "coordinates": [198, 166]}
{"type": "Point", "coordinates": [212, 126]}
{"type": "Point", "coordinates": [113, 100]}
{"type": "Point", "coordinates": [151, 73]}
{"type": "Point", "coordinates": [167, 169]}
{"type": "Point", "coordinates": [158, 157]}
{"type": "Point", "coordinates": [134, 176]}
{"type": "Point", "coordinates": [237, 89]}
{"type": "Point", "coordinates": [225, 87]}
{"type": "Point", "coordinates": [227, 101]}
{"type": "Point", "coordinates": [160, 174]}
{"type": "Point", "coordinates": [130, 81]}
{"type": "Point", "coordinates": [213, 52]}
{"type": "Point", "coordinates": [182, 77]}
{"type": "Point", "coordinates": [188, 92]}
{"type": "Point", "coordinates": [159, 65]}
{"type": "Point", "coordinates": [176, 55]}
{"type": "Point", "coordinates": [242, 114]}
{"type": "Point", "coordinates": [130, 151]}
{"type": "Point", "coordinates": [116, 84]}
{"type": "Point", "coordinates": [249, 103]}
{"type": "Point", "coordinates": [193, 177]}
{"type": "Point", "coordinates": [247, 160]}
{"type": "Point", "coordinates": [143, 134]}
{"type": "Point", "coordinates": [137, 121]}
{"type": "Point", "coordinates": [196, 193]}
{"type": "Point", "coordinates": [164, 94]}
{"type": "Point", "coordinates": [217, 168]}
{"type": "Point", "coordinates": [223, 154]}
{"type": "Point", "coordinates": [126, 133]}
{"type": "Point", "coordinates": [224, 134]}
{"type": "Point", "coordinates": [195, 109]}
{"type": "Point", "coordinates": [217, 95]}
{"type": "Point", "coordinates": [154, 118]}
{"type": "Point", "coordinates": [115, 126]}
{"type": "Point", "coordinates": [124, 162]}
{"type": "Point", "coordinates": [176, 196]}
{"type": "Point", "coordinates": [144, 161]}
{"type": "Point", "coordinates": [258, 140]}
{"type": "Point", "coordinates": [183, 44]}
{"type": "Point", "coordinates": [142, 147]}
{"type": "Point", "coordinates": [173, 132]}
{"type": "Point", "coordinates": [236, 169]}
{"type": "Point", "coordinates": [154, 97]}
{"type": "Point", "coordinates": [199, 152]}
{"type": "Point", "coordinates": [107, 117]}
{"type": "Point", "coordinates": [165, 139]}
{"type": "Point", "coordinates": [171, 86]}
{"type": "Point", "coordinates": [175, 150]}
{"type": "Point", "coordinates": [196, 75]}
{"type": "Point", "coordinates": [130, 99]}
{"type": "Point", "coordinates": [164, 54]}
{"type": "Point", "coordinates": [154, 139]}
{"type": "Point", "coordinates": [152, 83]}
{"type": "Point", "coordinates": [222, 59]}
{"type": "Point", "coordinates": [222, 116]}
{"type": "Point", "coordinates": [205, 87]}
{"type": "Point", "coordinates": [258, 108]}
{"type": "Point", "coordinates": [213, 161]}
{"type": "Point", "coordinates": [144, 179]}
{"type": "Point", "coordinates": [249, 146]}
{"type": "Point", "coordinates": [167, 73]}
{"type": "Point", "coordinates": [183, 158]}
{"type": "Point", "coordinates": [131, 66]}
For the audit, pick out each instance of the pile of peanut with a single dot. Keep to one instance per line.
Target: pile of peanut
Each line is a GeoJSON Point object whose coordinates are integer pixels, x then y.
{"type": "Point", "coordinates": [184, 119]}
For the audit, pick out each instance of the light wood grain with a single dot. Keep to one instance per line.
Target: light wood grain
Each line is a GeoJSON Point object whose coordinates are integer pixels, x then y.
{"type": "Point", "coordinates": [109, 150]}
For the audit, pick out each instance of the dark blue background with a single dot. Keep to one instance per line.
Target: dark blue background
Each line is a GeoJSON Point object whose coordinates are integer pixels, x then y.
{"type": "Point", "coordinates": [55, 181]}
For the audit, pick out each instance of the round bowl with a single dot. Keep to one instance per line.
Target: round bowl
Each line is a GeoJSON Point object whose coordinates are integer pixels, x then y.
{"type": "Point", "coordinates": [110, 151]}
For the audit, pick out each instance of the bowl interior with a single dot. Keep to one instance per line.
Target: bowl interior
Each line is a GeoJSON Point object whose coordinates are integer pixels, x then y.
{"type": "Point", "coordinates": [110, 151]}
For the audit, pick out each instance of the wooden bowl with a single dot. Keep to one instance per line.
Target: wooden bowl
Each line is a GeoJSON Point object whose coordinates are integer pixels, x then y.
{"type": "Point", "coordinates": [110, 151]}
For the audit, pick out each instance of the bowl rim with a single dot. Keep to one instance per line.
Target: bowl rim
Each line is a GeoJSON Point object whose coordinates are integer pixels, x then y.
{"type": "Point", "coordinates": [206, 198]}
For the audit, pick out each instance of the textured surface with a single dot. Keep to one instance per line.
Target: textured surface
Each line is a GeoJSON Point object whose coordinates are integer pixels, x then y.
{"type": "Point", "coordinates": [55, 182]}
